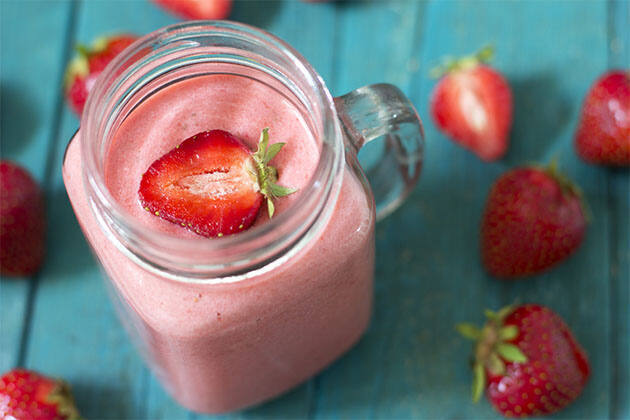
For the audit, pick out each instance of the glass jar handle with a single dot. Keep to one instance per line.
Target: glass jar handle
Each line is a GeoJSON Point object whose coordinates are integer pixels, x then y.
{"type": "Point", "coordinates": [383, 111]}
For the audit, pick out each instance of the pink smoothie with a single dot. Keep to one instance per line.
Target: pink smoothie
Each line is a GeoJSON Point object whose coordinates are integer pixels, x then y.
{"type": "Point", "coordinates": [219, 348]}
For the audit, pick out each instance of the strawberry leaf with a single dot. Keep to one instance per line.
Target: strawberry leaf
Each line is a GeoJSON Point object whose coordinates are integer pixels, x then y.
{"type": "Point", "coordinates": [490, 314]}
{"type": "Point", "coordinates": [78, 67]}
{"type": "Point", "coordinates": [504, 312]}
{"type": "Point", "coordinates": [262, 143]}
{"type": "Point", "coordinates": [485, 54]}
{"type": "Point", "coordinates": [479, 381]}
{"type": "Point", "coordinates": [270, 208]}
{"type": "Point", "coordinates": [511, 353]}
{"type": "Point", "coordinates": [450, 64]}
{"type": "Point", "coordinates": [61, 396]}
{"type": "Point", "coordinates": [509, 332]}
{"type": "Point", "coordinates": [83, 50]}
{"type": "Point", "coordinates": [495, 365]}
{"type": "Point", "coordinates": [272, 151]}
{"type": "Point", "coordinates": [469, 331]}
{"type": "Point", "coordinates": [280, 191]}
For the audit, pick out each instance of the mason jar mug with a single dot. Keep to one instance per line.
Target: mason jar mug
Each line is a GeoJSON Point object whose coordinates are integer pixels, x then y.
{"type": "Point", "coordinates": [229, 322]}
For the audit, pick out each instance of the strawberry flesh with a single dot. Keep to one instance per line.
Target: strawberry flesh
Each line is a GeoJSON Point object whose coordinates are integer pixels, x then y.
{"type": "Point", "coordinates": [206, 184]}
{"type": "Point", "coordinates": [603, 134]}
{"type": "Point", "coordinates": [474, 107]}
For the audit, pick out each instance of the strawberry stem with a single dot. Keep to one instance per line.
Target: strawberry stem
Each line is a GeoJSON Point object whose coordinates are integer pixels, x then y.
{"type": "Point", "coordinates": [83, 50]}
{"type": "Point", "coordinates": [267, 175]}
{"type": "Point", "coordinates": [62, 397]}
{"type": "Point", "coordinates": [450, 64]}
{"type": "Point", "coordinates": [492, 348]}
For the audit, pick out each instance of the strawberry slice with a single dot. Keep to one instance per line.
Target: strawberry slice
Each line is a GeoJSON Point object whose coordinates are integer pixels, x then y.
{"type": "Point", "coordinates": [212, 184]}
{"type": "Point", "coordinates": [472, 104]}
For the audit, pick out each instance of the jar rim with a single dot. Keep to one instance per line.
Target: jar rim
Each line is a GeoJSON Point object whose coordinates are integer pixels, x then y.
{"type": "Point", "coordinates": [230, 258]}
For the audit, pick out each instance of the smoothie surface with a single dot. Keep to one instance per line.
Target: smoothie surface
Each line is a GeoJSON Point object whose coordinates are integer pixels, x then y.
{"type": "Point", "coordinates": [236, 104]}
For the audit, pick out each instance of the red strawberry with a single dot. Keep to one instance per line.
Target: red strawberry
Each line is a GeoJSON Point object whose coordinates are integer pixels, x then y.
{"type": "Point", "coordinates": [27, 395]}
{"type": "Point", "coordinates": [528, 361]}
{"type": "Point", "coordinates": [84, 69]}
{"type": "Point", "coordinates": [22, 222]}
{"type": "Point", "coordinates": [534, 218]}
{"type": "Point", "coordinates": [472, 104]}
{"type": "Point", "coordinates": [212, 184]}
{"type": "Point", "coordinates": [197, 9]}
{"type": "Point", "coordinates": [603, 135]}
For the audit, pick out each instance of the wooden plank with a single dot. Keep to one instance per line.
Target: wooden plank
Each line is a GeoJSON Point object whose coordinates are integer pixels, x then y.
{"type": "Point", "coordinates": [619, 207]}
{"type": "Point", "coordinates": [620, 296]}
{"type": "Point", "coordinates": [311, 37]}
{"type": "Point", "coordinates": [28, 102]}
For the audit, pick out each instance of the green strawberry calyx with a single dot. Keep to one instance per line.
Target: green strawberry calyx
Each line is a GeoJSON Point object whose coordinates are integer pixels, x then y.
{"type": "Point", "coordinates": [266, 175]}
{"type": "Point", "coordinates": [450, 64]}
{"type": "Point", "coordinates": [61, 397]}
{"type": "Point", "coordinates": [492, 348]}
{"type": "Point", "coordinates": [77, 68]}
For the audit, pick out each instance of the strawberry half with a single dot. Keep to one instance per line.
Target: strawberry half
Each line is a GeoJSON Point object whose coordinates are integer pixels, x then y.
{"type": "Point", "coordinates": [197, 9]}
{"type": "Point", "coordinates": [27, 395]}
{"type": "Point", "coordinates": [84, 69]}
{"type": "Point", "coordinates": [527, 360]}
{"type": "Point", "coordinates": [212, 184]}
{"type": "Point", "coordinates": [472, 104]}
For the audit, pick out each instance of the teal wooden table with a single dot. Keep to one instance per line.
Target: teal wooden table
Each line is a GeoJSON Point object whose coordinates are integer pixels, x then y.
{"type": "Point", "coordinates": [410, 364]}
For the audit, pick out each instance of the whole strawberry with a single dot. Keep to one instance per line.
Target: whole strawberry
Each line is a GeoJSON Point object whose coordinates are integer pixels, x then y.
{"type": "Point", "coordinates": [27, 395]}
{"type": "Point", "coordinates": [212, 184]}
{"type": "Point", "coordinates": [603, 134]}
{"type": "Point", "coordinates": [472, 104]}
{"type": "Point", "coordinates": [534, 218]}
{"type": "Point", "coordinates": [197, 9]}
{"type": "Point", "coordinates": [84, 69]}
{"type": "Point", "coordinates": [527, 361]}
{"type": "Point", "coordinates": [22, 222]}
